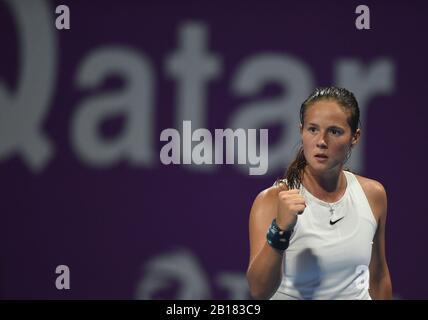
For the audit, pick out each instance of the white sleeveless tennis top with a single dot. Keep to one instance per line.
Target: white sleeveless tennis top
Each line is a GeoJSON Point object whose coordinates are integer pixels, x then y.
{"type": "Point", "coordinates": [330, 248]}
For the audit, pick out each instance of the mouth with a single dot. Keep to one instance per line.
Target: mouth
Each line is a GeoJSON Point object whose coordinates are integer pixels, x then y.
{"type": "Point", "coordinates": [321, 157]}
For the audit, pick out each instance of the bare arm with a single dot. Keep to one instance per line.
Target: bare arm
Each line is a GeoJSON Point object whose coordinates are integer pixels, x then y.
{"type": "Point", "coordinates": [380, 280]}
{"type": "Point", "coordinates": [264, 271]}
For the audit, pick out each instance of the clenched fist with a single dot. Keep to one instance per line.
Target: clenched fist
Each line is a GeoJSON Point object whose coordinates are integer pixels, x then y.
{"type": "Point", "coordinates": [290, 204]}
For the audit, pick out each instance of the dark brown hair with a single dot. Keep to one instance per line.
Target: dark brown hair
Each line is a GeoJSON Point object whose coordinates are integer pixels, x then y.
{"type": "Point", "coordinates": [343, 97]}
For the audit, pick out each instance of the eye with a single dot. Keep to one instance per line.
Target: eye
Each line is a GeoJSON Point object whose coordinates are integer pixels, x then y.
{"type": "Point", "coordinates": [335, 132]}
{"type": "Point", "coordinates": [311, 129]}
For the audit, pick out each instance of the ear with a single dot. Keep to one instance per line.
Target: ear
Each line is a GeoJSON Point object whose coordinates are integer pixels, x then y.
{"type": "Point", "coordinates": [355, 138]}
{"type": "Point", "coordinates": [301, 128]}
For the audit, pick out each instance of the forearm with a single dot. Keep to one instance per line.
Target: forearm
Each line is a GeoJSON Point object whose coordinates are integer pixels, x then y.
{"type": "Point", "coordinates": [264, 273]}
{"type": "Point", "coordinates": [381, 288]}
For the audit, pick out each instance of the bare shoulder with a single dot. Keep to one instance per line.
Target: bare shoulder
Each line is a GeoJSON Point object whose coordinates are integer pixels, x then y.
{"type": "Point", "coordinates": [371, 186]}
{"type": "Point", "coordinates": [375, 193]}
{"type": "Point", "coordinates": [266, 203]}
{"type": "Point", "coordinates": [267, 197]}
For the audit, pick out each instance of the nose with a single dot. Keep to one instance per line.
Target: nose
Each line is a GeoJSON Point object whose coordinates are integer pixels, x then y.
{"type": "Point", "coordinates": [321, 143]}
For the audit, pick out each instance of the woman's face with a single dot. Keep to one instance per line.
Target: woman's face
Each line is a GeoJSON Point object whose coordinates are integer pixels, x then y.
{"type": "Point", "coordinates": [326, 135]}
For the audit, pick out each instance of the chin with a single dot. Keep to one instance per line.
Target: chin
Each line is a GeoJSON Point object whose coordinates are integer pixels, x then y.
{"type": "Point", "coordinates": [316, 166]}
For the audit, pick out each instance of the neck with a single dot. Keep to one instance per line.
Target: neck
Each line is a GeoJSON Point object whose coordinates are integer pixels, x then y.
{"type": "Point", "coordinates": [324, 184]}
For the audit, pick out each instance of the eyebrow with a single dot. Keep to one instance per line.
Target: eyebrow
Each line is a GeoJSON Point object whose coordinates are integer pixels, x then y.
{"type": "Point", "coordinates": [331, 127]}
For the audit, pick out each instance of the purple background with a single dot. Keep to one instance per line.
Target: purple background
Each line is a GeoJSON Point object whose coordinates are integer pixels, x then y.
{"type": "Point", "coordinates": [107, 224]}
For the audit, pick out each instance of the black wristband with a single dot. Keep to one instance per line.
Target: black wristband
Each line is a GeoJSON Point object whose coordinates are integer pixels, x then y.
{"type": "Point", "coordinates": [277, 238]}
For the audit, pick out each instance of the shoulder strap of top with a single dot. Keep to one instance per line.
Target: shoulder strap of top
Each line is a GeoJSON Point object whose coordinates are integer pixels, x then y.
{"type": "Point", "coordinates": [277, 182]}
{"type": "Point", "coordinates": [357, 190]}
